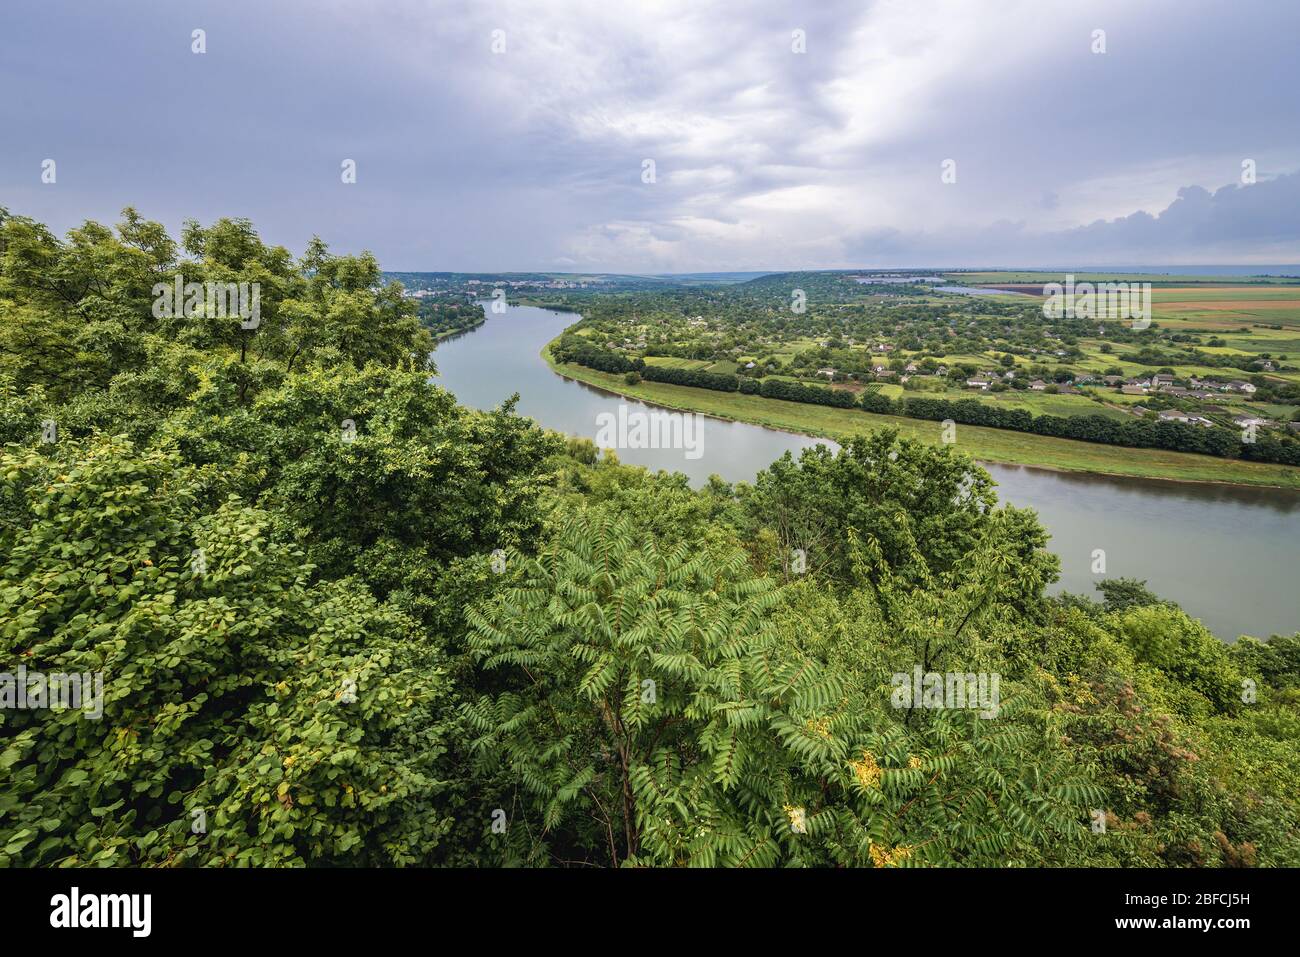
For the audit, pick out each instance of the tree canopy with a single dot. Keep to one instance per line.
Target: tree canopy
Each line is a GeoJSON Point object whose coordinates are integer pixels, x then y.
{"type": "Point", "coordinates": [340, 619]}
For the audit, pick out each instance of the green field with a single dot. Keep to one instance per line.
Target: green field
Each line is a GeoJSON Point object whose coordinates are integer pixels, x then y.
{"type": "Point", "coordinates": [1042, 403]}
{"type": "Point", "coordinates": [991, 445]}
{"type": "Point", "coordinates": [672, 362]}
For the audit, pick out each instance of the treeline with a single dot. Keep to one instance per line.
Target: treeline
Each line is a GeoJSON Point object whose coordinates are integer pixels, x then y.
{"type": "Point", "coordinates": [798, 392]}
{"type": "Point", "coordinates": [698, 378]}
{"type": "Point", "coordinates": [1137, 433]}
{"type": "Point", "coordinates": [447, 318]}
{"type": "Point", "coordinates": [576, 349]}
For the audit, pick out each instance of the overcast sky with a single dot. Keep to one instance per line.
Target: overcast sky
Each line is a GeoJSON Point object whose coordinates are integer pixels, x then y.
{"type": "Point", "coordinates": [764, 158]}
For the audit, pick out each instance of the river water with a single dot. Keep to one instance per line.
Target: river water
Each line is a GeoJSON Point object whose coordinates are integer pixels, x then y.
{"type": "Point", "coordinates": [1226, 554]}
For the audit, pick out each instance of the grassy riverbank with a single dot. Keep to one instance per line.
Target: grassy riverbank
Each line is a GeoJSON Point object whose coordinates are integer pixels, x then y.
{"type": "Point", "coordinates": [989, 445]}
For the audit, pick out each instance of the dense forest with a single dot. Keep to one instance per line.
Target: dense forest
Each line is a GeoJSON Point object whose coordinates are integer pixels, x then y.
{"type": "Point", "coordinates": [342, 619]}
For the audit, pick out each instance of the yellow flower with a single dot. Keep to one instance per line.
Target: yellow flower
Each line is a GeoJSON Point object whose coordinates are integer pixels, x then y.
{"type": "Point", "coordinates": [886, 857]}
{"type": "Point", "coordinates": [867, 771]}
{"type": "Point", "coordinates": [914, 762]}
{"type": "Point", "coordinates": [819, 726]}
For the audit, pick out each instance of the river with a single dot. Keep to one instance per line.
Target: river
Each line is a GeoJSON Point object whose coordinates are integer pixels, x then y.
{"type": "Point", "coordinates": [1227, 554]}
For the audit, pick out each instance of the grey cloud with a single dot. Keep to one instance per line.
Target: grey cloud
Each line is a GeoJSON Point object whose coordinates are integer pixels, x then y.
{"type": "Point", "coordinates": [766, 159]}
{"type": "Point", "coordinates": [1232, 224]}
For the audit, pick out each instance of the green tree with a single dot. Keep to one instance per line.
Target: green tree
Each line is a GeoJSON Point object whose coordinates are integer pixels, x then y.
{"type": "Point", "coordinates": [296, 719]}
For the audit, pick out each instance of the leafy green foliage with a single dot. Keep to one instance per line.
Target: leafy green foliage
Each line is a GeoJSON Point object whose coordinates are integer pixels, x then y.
{"type": "Point", "coordinates": [1180, 647]}
{"type": "Point", "coordinates": [342, 620]}
{"type": "Point", "coordinates": [654, 701]}
{"type": "Point", "coordinates": [223, 682]}
{"type": "Point", "coordinates": [642, 699]}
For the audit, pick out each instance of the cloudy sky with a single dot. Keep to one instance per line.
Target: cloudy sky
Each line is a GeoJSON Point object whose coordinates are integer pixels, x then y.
{"type": "Point", "coordinates": [533, 157]}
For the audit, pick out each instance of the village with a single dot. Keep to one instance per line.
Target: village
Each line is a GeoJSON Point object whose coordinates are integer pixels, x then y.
{"type": "Point", "coordinates": [996, 349]}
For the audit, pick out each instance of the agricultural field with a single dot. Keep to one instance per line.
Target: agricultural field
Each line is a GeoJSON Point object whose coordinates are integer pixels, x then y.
{"type": "Point", "coordinates": [1248, 320]}
{"type": "Point", "coordinates": [1037, 277]}
{"type": "Point", "coordinates": [671, 362]}
{"type": "Point", "coordinates": [1063, 405]}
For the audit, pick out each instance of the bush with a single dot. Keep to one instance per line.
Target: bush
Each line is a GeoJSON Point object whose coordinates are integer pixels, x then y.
{"type": "Point", "coordinates": [1166, 638]}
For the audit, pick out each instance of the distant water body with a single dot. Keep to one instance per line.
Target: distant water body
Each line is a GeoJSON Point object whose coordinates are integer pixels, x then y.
{"type": "Point", "coordinates": [977, 291]}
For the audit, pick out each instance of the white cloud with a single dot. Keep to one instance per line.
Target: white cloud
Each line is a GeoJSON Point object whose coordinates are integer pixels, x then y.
{"type": "Point", "coordinates": [766, 158]}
